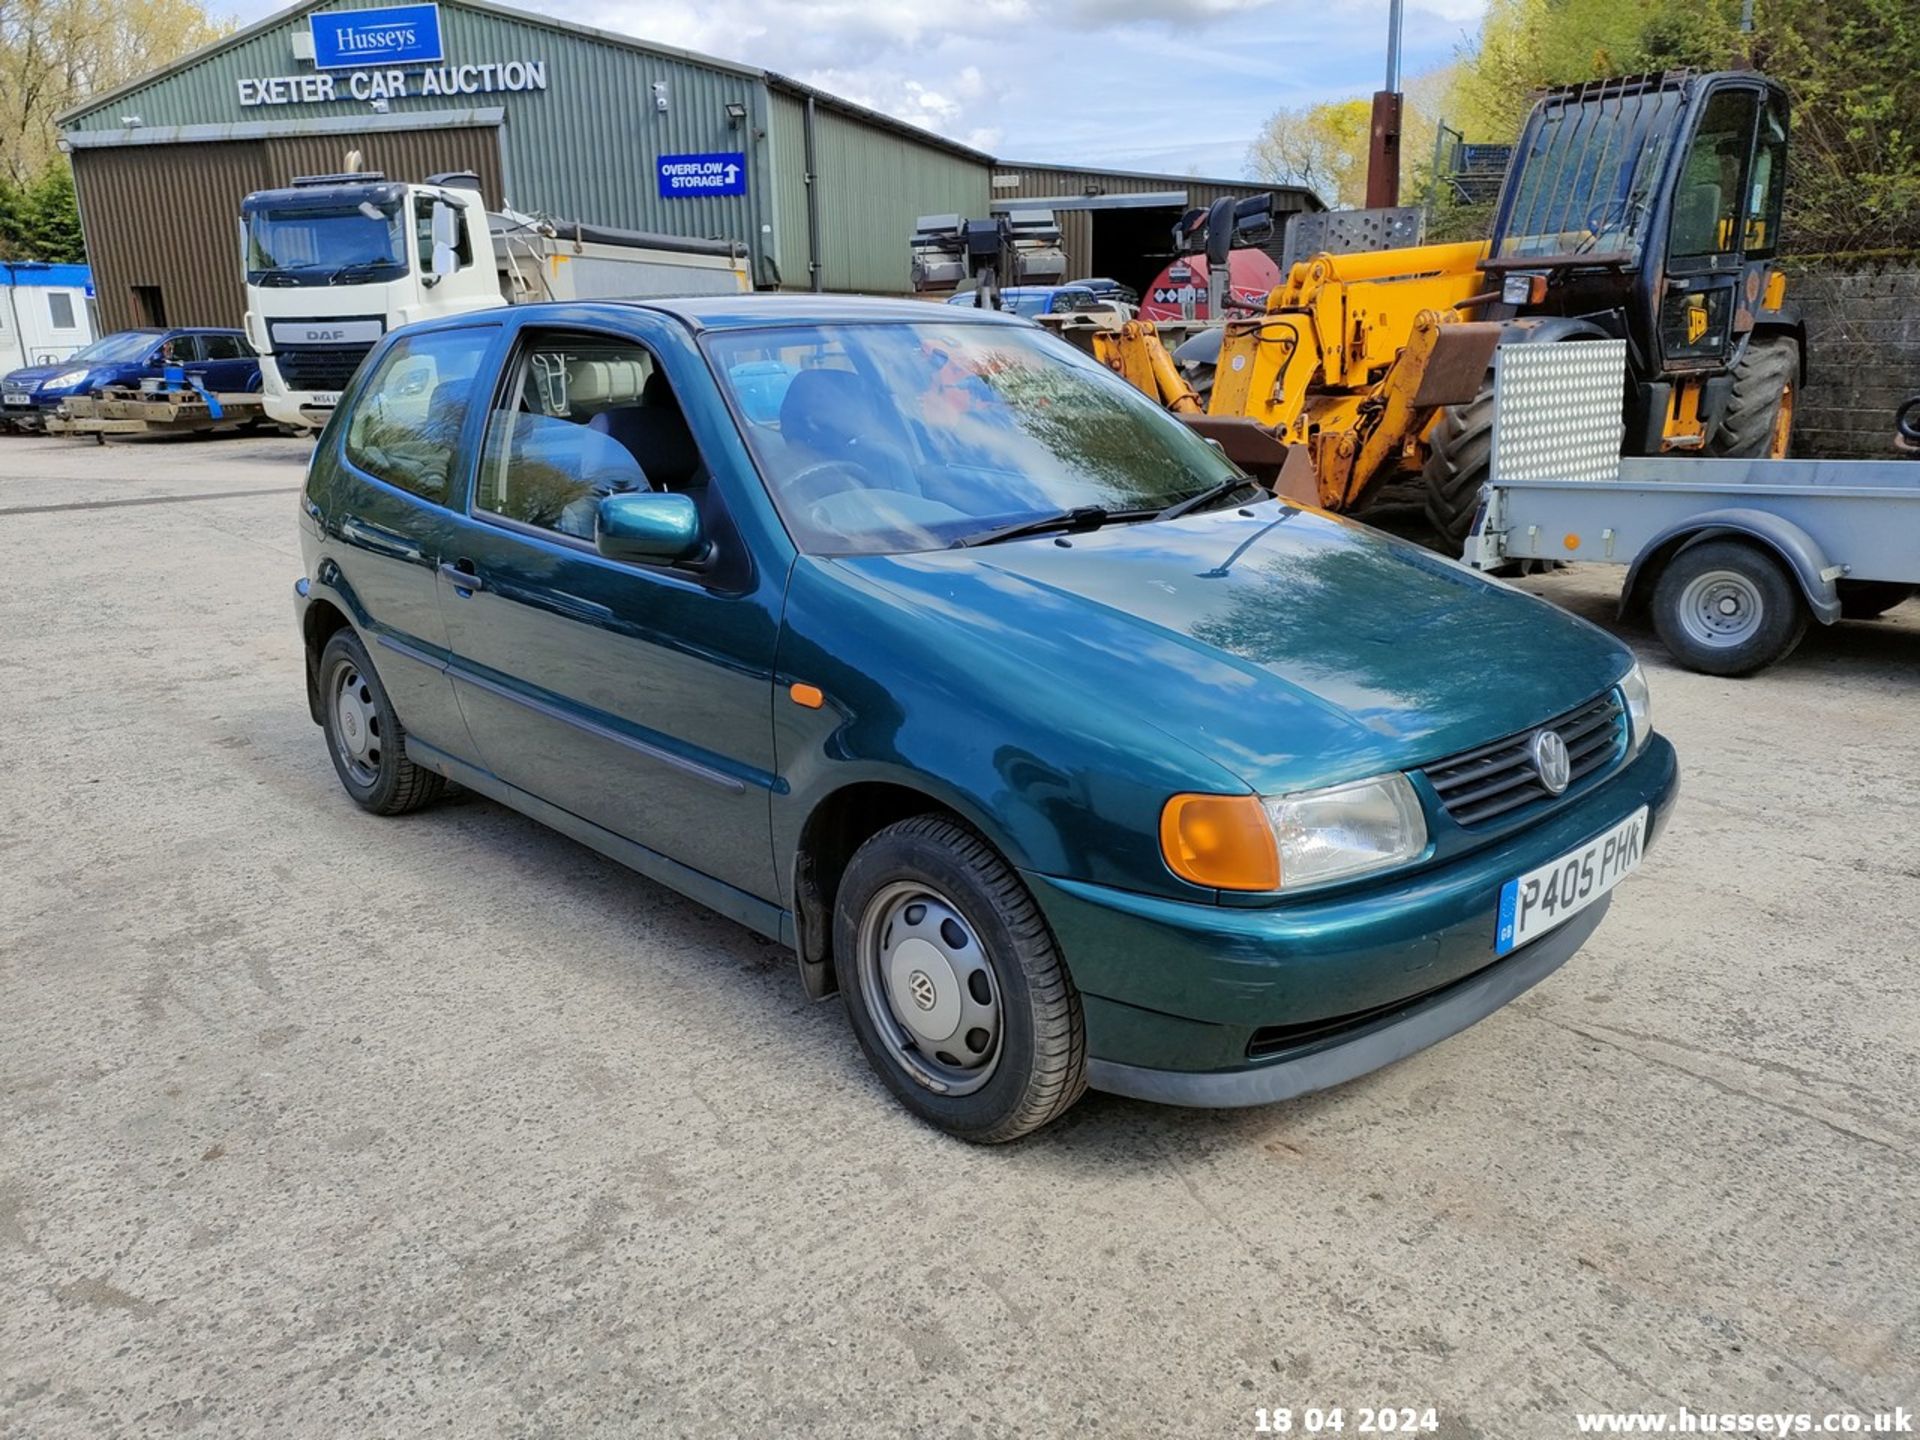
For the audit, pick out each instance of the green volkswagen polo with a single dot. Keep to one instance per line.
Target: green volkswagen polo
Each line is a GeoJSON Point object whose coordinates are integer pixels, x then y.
{"type": "Point", "coordinates": [911, 637]}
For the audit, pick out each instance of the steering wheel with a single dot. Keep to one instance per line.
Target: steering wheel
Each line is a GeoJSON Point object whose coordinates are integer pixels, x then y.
{"type": "Point", "coordinates": [808, 486]}
{"type": "Point", "coordinates": [1602, 213]}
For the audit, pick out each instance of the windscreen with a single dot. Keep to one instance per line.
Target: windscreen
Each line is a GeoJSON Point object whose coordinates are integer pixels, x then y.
{"type": "Point", "coordinates": [124, 345]}
{"type": "Point", "coordinates": [350, 244]}
{"type": "Point", "coordinates": [1586, 178]}
{"type": "Point", "coordinates": [914, 436]}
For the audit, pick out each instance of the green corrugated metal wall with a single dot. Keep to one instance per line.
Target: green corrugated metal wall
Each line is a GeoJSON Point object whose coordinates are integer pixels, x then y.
{"type": "Point", "coordinates": [585, 148]}
{"type": "Point", "coordinates": [872, 186]}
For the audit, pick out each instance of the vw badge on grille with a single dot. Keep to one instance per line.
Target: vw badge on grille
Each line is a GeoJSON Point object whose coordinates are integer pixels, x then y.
{"type": "Point", "coordinates": [1551, 761]}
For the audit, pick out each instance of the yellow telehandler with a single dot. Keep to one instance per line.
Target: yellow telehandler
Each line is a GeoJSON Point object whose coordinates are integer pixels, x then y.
{"type": "Point", "coordinates": [1645, 208]}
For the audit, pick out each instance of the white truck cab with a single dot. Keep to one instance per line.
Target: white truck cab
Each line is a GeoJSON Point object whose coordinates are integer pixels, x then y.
{"type": "Point", "coordinates": [333, 262]}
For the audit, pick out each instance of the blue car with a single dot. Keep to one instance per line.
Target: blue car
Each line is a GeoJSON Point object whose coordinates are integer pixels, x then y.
{"type": "Point", "coordinates": [221, 360]}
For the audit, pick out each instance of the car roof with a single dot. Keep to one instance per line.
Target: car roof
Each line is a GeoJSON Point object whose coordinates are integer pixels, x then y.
{"type": "Point", "coordinates": [740, 312]}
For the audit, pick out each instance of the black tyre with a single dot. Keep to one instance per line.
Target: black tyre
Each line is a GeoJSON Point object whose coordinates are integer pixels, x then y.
{"type": "Point", "coordinates": [1758, 421]}
{"type": "Point", "coordinates": [954, 985]}
{"type": "Point", "coordinates": [1725, 607]}
{"type": "Point", "coordinates": [1459, 454]}
{"type": "Point", "coordinates": [365, 739]}
{"type": "Point", "coordinates": [1870, 599]}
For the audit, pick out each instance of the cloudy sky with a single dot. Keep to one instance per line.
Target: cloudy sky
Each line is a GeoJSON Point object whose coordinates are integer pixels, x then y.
{"type": "Point", "coordinates": [1173, 85]}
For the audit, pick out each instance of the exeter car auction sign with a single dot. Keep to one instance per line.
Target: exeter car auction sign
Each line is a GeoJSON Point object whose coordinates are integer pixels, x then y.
{"type": "Point", "coordinates": [393, 53]}
{"type": "Point", "coordinates": [683, 176]}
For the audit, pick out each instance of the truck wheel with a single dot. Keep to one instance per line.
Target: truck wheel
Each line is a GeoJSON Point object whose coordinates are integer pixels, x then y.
{"type": "Point", "coordinates": [1870, 599]}
{"type": "Point", "coordinates": [954, 985]}
{"type": "Point", "coordinates": [1725, 607]}
{"type": "Point", "coordinates": [1758, 421]}
{"type": "Point", "coordinates": [1459, 454]}
{"type": "Point", "coordinates": [365, 738]}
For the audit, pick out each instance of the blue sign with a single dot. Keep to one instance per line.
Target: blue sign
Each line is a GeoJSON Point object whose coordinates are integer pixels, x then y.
{"type": "Point", "coordinates": [682, 176]}
{"type": "Point", "coordinates": [392, 35]}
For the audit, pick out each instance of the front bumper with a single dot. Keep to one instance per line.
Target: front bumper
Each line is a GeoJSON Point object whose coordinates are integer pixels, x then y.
{"type": "Point", "coordinates": [1182, 1000]}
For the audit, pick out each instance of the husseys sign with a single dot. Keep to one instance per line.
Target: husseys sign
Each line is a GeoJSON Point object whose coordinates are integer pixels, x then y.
{"type": "Point", "coordinates": [387, 54]}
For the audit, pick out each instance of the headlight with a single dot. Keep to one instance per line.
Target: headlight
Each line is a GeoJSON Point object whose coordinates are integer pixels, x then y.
{"type": "Point", "coordinates": [65, 380]}
{"type": "Point", "coordinates": [1276, 842]}
{"type": "Point", "coordinates": [1639, 701]}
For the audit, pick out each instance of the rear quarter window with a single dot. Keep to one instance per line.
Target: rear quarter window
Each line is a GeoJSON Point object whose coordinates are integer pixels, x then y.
{"type": "Point", "coordinates": [405, 427]}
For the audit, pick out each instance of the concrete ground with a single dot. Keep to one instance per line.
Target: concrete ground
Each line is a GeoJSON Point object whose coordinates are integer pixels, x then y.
{"type": "Point", "coordinates": [317, 1124]}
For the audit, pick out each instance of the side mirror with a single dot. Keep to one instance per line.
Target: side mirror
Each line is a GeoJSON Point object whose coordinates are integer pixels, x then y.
{"type": "Point", "coordinates": [446, 234]}
{"type": "Point", "coordinates": [648, 526]}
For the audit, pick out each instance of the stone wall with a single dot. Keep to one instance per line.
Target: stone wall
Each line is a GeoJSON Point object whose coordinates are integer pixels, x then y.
{"type": "Point", "coordinates": [1863, 353]}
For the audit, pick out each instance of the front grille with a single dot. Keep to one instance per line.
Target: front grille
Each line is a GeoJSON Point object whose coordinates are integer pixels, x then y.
{"type": "Point", "coordinates": [320, 367]}
{"type": "Point", "coordinates": [1497, 779]}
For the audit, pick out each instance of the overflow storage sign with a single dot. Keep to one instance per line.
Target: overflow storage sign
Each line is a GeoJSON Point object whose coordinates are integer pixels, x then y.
{"type": "Point", "coordinates": [685, 176]}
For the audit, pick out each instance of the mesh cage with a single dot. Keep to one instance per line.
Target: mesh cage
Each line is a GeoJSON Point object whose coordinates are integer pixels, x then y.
{"type": "Point", "coordinates": [1557, 411]}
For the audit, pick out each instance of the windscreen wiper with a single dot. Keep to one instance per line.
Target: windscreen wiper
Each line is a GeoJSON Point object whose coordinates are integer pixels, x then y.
{"type": "Point", "coordinates": [1084, 517]}
{"type": "Point", "coordinates": [369, 266]}
{"type": "Point", "coordinates": [1212, 495]}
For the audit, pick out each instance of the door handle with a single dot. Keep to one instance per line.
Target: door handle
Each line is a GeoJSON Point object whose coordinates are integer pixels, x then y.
{"type": "Point", "coordinates": [461, 579]}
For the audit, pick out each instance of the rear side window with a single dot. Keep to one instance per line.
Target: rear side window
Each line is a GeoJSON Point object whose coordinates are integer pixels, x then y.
{"type": "Point", "coordinates": [406, 423]}
{"type": "Point", "coordinates": [226, 347]}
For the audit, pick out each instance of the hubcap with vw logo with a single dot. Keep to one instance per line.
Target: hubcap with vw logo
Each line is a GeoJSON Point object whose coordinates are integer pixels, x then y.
{"type": "Point", "coordinates": [930, 988]}
{"type": "Point", "coordinates": [1550, 760]}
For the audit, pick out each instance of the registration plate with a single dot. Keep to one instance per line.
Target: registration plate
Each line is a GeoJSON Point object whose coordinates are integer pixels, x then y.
{"type": "Point", "coordinates": [19, 399]}
{"type": "Point", "coordinates": [1533, 903]}
{"type": "Point", "coordinates": [324, 398]}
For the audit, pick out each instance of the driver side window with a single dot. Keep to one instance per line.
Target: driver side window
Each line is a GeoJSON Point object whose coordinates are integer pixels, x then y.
{"type": "Point", "coordinates": [583, 417]}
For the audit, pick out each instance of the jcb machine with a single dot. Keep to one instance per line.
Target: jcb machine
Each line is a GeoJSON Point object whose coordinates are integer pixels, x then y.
{"type": "Point", "coordinates": [1644, 209]}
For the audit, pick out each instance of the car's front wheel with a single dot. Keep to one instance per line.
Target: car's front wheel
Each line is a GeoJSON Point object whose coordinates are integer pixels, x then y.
{"type": "Point", "coordinates": [954, 984]}
{"type": "Point", "coordinates": [364, 737]}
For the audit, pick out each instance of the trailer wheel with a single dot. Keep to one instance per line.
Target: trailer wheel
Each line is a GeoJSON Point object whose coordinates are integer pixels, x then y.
{"type": "Point", "coordinates": [1870, 599]}
{"type": "Point", "coordinates": [1725, 607]}
{"type": "Point", "coordinates": [1758, 421]}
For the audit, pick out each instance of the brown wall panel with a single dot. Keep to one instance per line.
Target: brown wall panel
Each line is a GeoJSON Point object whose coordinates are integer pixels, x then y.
{"type": "Point", "coordinates": [166, 215]}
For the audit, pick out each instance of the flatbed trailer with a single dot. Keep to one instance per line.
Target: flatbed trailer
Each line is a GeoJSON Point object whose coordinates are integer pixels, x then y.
{"type": "Point", "coordinates": [153, 412]}
{"type": "Point", "coordinates": [1732, 558]}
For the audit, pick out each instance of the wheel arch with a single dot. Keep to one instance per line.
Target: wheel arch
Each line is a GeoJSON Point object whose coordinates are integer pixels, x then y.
{"type": "Point", "coordinates": [839, 823]}
{"type": "Point", "coordinates": [319, 622]}
{"type": "Point", "coordinates": [1804, 557]}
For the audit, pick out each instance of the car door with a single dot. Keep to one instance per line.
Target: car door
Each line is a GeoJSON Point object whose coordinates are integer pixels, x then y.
{"type": "Point", "coordinates": [383, 485]}
{"type": "Point", "coordinates": [229, 368]}
{"type": "Point", "coordinates": [636, 697]}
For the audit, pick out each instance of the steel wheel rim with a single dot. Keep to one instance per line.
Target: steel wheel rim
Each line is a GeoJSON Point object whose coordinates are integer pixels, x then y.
{"type": "Point", "coordinates": [1721, 609]}
{"type": "Point", "coordinates": [356, 724]}
{"type": "Point", "coordinates": [1782, 436]}
{"type": "Point", "coordinates": [930, 988]}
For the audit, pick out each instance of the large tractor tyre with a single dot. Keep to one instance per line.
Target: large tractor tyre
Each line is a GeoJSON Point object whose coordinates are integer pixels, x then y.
{"type": "Point", "coordinates": [1460, 452]}
{"type": "Point", "coordinates": [1727, 607]}
{"type": "Point", "coordinates": [1758, 421]}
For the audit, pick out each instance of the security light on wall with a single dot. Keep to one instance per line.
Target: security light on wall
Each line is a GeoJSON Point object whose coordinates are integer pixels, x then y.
{"type": "Point", "coordinates": [736, 112]}
{"type": "Point", "coordinates": [303, 45]}
{"type": "Point", "coordinates": [132, 122]}
{"type": "Point", "coordinates": [660, 95]}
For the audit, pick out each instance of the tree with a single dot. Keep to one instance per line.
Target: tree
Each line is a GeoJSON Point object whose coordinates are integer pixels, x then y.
{"type": "Point", "coordinates": [1323, 147]}
{"type": "Point", "coordinates": [55, 53]}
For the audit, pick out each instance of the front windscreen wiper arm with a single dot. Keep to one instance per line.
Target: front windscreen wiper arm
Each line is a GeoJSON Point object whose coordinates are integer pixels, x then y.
{"type": "Point", "coordinates": [1212, 495]}
{"type": "Point", "coordinates": [1084, 517]}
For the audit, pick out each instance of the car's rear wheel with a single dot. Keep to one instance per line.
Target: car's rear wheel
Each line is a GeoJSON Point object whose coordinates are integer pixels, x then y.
{"type": "Point", "coordinates": [365, 739]}
{"type": "Point", "coordinates": [1725, 607]}
{"type": "Point", "coordinates": [954, 985]}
